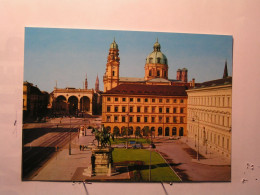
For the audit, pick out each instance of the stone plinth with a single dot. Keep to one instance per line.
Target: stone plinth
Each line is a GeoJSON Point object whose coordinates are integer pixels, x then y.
{"type": "Point", "coordinates": [102, 161]}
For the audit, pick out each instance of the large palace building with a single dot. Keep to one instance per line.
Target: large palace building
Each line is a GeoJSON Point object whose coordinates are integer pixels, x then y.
{"type": "Point", "coordinates": [153, 101]}
{"type": "Point", "coordinates": [209, 115]}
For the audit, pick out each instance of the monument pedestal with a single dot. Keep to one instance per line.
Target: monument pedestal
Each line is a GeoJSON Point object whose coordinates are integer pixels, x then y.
{"type": "Point", "coordinates": [101, 162]}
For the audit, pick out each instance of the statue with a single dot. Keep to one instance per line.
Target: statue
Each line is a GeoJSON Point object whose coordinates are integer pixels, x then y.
{"type": "Point", "coordinates": [102, 137]}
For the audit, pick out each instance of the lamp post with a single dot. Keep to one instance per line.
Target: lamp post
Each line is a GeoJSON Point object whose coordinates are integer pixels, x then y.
{"type": "Point", "coordinates": [150, 175]}
{"type": "Point", "coordinates": [198, 138]}
{"type": "Point", "coordinates": [70, 138]}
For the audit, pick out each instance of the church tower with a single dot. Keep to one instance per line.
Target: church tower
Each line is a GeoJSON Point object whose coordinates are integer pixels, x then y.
{"type": "Point", "coordinates": [86, 82]}
{"type": "Point", "coordinates": [225, 74]}
{"type": "Point", "coordinates": [97, 84]}
{"type": "Point", "coordinates": [156, 65]}
{"type": "Point", "coordinates": [111, 76]}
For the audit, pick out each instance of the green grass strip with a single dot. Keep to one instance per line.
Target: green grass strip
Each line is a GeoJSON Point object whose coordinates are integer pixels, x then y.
{"type": "Point", "coordinates": [160, 170]}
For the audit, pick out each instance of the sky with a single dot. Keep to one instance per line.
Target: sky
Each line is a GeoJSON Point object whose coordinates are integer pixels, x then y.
{"type": "Point", "coordinates": [65, 56]}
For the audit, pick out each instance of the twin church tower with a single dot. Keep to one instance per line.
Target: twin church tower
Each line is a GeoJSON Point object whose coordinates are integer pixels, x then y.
{"type": "Point", "coordinates": [156, 70]}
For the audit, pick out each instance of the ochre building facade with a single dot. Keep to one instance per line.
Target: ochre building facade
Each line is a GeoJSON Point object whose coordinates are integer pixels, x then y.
{"type": "Point", "coordinates": [162, 108]}
{"type": "Point", "coordinates": [153, 101]}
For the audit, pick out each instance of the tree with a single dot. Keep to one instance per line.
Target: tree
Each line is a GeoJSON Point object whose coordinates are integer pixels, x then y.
{"type": "Point", "coordinates": [124, 131]}
{"type": "Point", "coordinates": [146, 131]}
{"type": "Point", "coordinates": [116, 132]}
{"type": "Point", "coordinates": [138, 132]}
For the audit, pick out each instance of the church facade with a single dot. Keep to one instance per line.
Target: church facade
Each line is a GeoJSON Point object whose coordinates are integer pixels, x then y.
{"type": "Point", "coordinates": [154, 101]}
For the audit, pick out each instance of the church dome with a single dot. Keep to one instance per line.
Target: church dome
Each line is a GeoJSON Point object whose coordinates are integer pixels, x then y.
{"type": "Point", "coordinates": [156, 57]}
{"type": "Point", "coordinates": [114, 45]}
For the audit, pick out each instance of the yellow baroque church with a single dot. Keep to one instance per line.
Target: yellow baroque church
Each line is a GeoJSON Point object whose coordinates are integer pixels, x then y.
{"type": "Point", "coordinates": [153, 101]}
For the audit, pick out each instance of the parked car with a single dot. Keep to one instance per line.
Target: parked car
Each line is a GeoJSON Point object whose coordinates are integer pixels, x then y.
{"type": "Point", "coordinates": [138, 146]}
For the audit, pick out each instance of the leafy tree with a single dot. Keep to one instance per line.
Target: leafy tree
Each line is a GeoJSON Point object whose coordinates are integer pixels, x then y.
{"type": "Point", "coordinates": [124, 131]}
{"type": "Point", "coordinates": [138, 132]}
{"type": "Point", "coordinates": [116, 131]}
{"type": "Point", "coordinates": [146, 131]}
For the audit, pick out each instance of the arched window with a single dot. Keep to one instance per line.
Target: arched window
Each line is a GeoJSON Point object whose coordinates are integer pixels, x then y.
{"type": "Point", "coordinates": [158, 73]}
{"type": "Point", "coordinates": [150, 72]}
{"type": "Point", "coordinates": [113, 73]}
{"type": "Point", "coordinates": [158, 60]}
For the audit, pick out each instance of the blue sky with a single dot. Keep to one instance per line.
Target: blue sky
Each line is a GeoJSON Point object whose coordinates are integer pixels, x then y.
{"type": "Point", "coordinates": [67, 55]}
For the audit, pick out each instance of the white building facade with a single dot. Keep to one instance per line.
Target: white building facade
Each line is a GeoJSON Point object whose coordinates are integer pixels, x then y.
{"type": "Point", "coordinates": [209, 116]}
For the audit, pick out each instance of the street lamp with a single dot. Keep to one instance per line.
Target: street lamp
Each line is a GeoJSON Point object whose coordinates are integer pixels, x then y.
{"type": "Point", "coordinates": [198, 138]}
{"type": "Point", "coordinates": [70, 138]}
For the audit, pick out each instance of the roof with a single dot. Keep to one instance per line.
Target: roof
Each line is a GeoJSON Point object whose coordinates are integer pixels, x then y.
{"type": "Point", "coordinates": [158, 90]}
{"type": "Point", "coordinates": [159, 80]}
{"type": "Point", "coordinates": [217, 82]}
{"type": "Point", "coordinates": [130, 79]}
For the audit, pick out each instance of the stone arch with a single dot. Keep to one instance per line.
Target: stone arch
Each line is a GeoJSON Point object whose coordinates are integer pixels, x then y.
{"type": "Point", "coordinates": [131, 130]}
{"type": "Point", "coordinates": [85, 104]}
{"type": "Point", "coordinates": [60, 105]}
{"type": "Point", "coordinates": [160, 131]}
{"type": "Point", "coordinates": [174, 131]}
{"type": "Point", "coordinates": [167, 131]}
{"type": "Point", "coordinates": [108, 128]}
{"type": "Point", "coordinates": [181, 131]}
{"type": "Point", "coordinates": [73, 105]}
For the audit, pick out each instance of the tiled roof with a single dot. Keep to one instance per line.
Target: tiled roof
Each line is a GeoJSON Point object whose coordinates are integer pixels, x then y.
{"type": "Point", "coordinates": [217, 82]}
{"type": "Point", "coordinates": [158, 90]}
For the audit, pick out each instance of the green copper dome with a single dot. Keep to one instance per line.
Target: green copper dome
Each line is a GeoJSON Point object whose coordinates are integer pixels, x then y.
{"type": "Point", "coordinates": [156, 57]}
{"type": "Point", "coordinates": [113, 45]}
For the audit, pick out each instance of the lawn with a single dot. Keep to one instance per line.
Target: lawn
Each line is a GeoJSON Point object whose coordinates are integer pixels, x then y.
{"type": "Point", "coordinates": [160, 171]}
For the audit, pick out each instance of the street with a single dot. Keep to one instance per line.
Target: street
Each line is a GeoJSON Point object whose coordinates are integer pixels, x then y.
{"type": "Point", "coordinates": [42, 140]}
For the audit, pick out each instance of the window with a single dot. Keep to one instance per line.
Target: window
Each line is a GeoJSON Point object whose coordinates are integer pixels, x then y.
{"type": "Point", "coordinates": [145, 100]}
{"type": "Point", "coordinates": [131, 99]}
{"type": "Point", "coordinates": [158, 60]}
{"type": "Point", "coordinates": [116, 118]}
{"type": "Point", "coordinates": [174, 110]}
{"type": "Point", "coordinates": [113, 73]}
{"type": "Point", "coordinates": [138, 109]}
{"type": "Point", "coordinates": [160, 100]}
{"type": "Point", "coordinates": [181, 119]}
{"type": "Point", "coordinates": [167, 119]}
{"type": "Point", "coordinates": [150, 72]}
{"type": "Point", "coordinates": [138, 119]}
{"type": "Point", "coordinates": [108, 99]}
{"type": "Point", "coordinates": [138, 100]}
{"type": "Point", "coordinates": [116, 99]}
{"type": "Point", "coordinates": [181, 101]}
{"type": "Point", "coordinates": [145, 119]}
{"type": "Point", "coordinates": [123, 119]}
{"type": "Point", "coordinates": [123, 99]}
{"type": "Point", "coordinates": [160, 119]}
{"type": "Point", "coordinates": [153, 119]}
{"type": "Point", "coordinates": [108, 108]}
{"type": "Point", "coordinates": [146, 109]}
{"type": "Point", "coordinates": [131, 109]}
{"type": "Point", "coordinates": [167, 100]}
{"type": "Point", "coordinates": [153, 109]}
{"type": "Point", "coordinates": [108, 118]}
{"type": "Point", "coordinates": [123, 109]}
{"type": "Point", "coordinates": [174, 101]}
{"type": "Point", "coordinates": [160, 110]}
{"type": "Point", "coordinates": [153, 100]}
{"type": "Point", "coordinates": [158, 73]}
{"type": "Point", "coordinates": [181, 110]}
{"type": "Point", "coordinates": [130, 119]}
{"type": "Point", "coordinates": [167, 110]}
{"type": "Point", "coordinates": [116, 108]}
{"type": "Point", "coordinates": [174, 119]}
